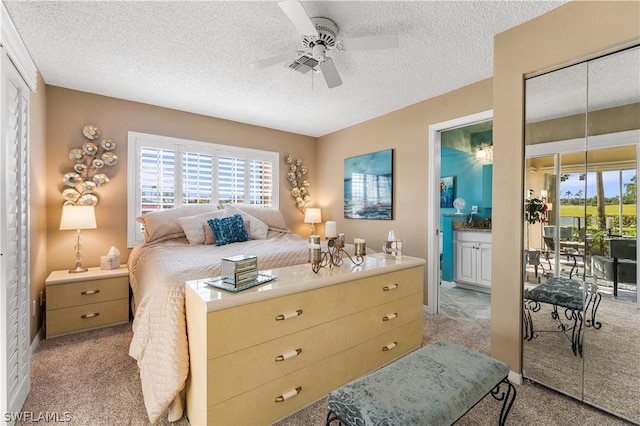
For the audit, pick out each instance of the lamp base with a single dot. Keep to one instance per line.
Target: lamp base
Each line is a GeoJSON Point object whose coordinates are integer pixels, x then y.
{"type": "Point", "coordinates": [77, 269]}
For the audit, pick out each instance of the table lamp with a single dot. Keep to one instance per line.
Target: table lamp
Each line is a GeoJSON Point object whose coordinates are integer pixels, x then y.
{"type": "Point", "coordinates": [312, 215]}
{"type": "Point", "coordinates": [78, 217]}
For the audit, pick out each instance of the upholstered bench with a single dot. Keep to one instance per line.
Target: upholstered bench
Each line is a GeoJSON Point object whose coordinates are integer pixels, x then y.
{"type": "Point", "coordinates": [434, 385]}
{"type": "Point", "coordinates": [572, 295]}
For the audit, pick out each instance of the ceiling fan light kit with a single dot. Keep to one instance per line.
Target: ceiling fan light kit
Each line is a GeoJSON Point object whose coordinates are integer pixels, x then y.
{"type": "Point", "coordinates": [319, 35]}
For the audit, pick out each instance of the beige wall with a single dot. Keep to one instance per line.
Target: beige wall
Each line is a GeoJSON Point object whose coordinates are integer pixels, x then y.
{"type": "Point", "coordinates": [68, 111]}
{"type": "Point", "coordinates": [574, 32]}
{"type": "Point", "coordinates": [407, 132]}
{"type": "Point", "coordinates": [37, 201]}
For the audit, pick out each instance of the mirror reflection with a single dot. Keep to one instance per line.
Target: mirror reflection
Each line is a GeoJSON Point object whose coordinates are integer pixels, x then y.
{"type": "Point", "coordinates": [581, 315]}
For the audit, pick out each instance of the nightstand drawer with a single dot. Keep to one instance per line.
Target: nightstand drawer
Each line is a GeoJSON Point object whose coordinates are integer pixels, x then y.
{"type": "Point", "coordinates": [77, 318]}
{"type": "Point", "coordinates": [85, 292]}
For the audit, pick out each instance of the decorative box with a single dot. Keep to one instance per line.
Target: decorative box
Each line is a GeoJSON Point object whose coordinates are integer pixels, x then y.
{"type": "Point", "coordinates": [239, 270]}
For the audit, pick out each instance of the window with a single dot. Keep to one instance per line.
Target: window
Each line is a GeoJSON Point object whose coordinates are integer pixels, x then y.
{"type": "Point", "coordinates": [205, 173]}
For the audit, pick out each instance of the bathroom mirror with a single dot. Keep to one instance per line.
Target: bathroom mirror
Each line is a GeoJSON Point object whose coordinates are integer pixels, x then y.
{"type": "Point", "coordinates": [581, 315]}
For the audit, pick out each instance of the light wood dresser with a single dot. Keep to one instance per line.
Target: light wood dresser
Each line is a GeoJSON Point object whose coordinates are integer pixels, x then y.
{"type": "Point", "coordinates": [86, 300]}
{"type": "Point", "coordinates": [259, 355]}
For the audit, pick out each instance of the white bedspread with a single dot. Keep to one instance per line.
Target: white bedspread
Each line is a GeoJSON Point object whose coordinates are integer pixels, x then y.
{"type": "Point", "coordinates": [158, 273]}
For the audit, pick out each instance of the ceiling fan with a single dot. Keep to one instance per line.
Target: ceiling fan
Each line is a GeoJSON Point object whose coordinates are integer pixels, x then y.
{"type": "Point", "coordinates": [319, 36]}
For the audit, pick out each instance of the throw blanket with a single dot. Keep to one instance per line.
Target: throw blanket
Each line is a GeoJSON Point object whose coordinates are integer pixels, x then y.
{"type": "Point", "coordinates": [157, 274]}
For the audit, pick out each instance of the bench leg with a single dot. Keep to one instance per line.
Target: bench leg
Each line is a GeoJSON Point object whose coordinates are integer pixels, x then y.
{"type": "Point", "coordinates": [592, 307]}
{"type": "Point", "coordinates": [529, 306]}
{"type": "Point", "coordinates": [331, 417]}
{"type": "Point", "coordinates": [507, 396]}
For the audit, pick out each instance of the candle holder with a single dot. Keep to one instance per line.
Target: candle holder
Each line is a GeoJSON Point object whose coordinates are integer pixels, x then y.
{"type": "Point", "coordinates": [335, 254]}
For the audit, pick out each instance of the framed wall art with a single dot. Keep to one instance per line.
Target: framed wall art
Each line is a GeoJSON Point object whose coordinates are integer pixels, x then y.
{"type": "Point", "coordinates": [447, 191]}
{"type": "Point", "coordinates": [368, 186]}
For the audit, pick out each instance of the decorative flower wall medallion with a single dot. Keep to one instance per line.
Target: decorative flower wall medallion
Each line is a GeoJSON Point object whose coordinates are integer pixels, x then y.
{"type": "Point", "coordinates": [80, 167]}
{"type": "Point", "coordinates": [108, 144]}
{"type": "Point", "coordinates": [109, 158]}
{"type": "Point", "coordinates": [91, 132]}
{"type": "Point", "coordinates": [100, 179]}
{"type": "Point", "coordinates": [90, 148]}
{"type": "Point", "coordinates": [77, 155]}
{"type": "Point", "coordinates": [87, 186]}
{"type": "Point", "coordinates": [70, 194]}
{"type": "Point", "coordinates": [87, 200]}
{"type": "Point", "coordinates": [88, 173]}
{"type": "Point", "coordinates": [299, 187]}
{"type": "Point", "coordinates": [72, 179]}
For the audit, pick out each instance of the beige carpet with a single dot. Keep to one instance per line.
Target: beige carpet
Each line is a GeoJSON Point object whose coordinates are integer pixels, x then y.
{"type": "Point", "coordinates": [91, 377]}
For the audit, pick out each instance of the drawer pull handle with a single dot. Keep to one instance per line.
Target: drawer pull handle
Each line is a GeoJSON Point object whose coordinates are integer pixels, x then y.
{"type": "Point", "coordinates": [288, 355]}
{"type": "Point", "coordinates": [390, 317]}
{"type": "Point", "coordinates": [389, 287]}
{"type": "Point", "coordinates": [89, 292]}
{"type": "Point", "coordinates": [92, 315]}
{"type": "Point", "coordinates": [389, 346]}
{"type": "Point", "coordinates": [288, 315]}
{"type": "Point", "coordinates": [289, 394]}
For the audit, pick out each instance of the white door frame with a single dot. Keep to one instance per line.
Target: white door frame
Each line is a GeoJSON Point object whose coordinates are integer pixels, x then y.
{"type": "Point", "coordinates": [433, 194]}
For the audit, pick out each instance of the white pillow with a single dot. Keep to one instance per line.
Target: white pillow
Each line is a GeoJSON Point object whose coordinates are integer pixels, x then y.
{"type": "Point", "coordinates": [258, 230]}
{"type": "Point", "coordinates": [162, 225]}
{"type": "Point", "coordinates": [272, 217]}
{"type": "Point", "coordinates": [192, 225]}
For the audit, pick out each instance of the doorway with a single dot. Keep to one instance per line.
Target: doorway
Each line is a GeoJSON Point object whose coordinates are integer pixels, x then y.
{"type": "Point", "coordinates": [439, 242]}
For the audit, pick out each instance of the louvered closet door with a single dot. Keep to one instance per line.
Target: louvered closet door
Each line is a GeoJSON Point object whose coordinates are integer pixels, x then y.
{"type": "Point", "coordinates": [15, 251]}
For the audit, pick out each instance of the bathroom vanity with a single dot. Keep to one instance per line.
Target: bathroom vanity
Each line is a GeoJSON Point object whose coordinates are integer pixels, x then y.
{"type": "Point", "coordinates": [472, 251]}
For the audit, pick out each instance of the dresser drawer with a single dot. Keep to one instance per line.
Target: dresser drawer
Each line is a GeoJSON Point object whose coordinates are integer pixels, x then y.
{"type": "Point", "coordinates": [371, 354]}
{"type": "Point", "coordinates": [248, 325]}
{"type": "Point", "coordinates": [366, 293]}
{"type": "Point", "coordinates": [238, 372]}
{"type": "Point", "coordinates": [380, 319]}
{"type": "Point", "coordinates": [94, 315]}
{"type": "Point", "coordinates": [259, 406]}
{"type": "Point", "coordinates": [82, 293]}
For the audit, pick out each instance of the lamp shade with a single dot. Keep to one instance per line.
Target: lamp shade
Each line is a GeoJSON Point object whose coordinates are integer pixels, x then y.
{"type": "Point", "coordinates": [78, 217]}
{"type": "Point", "coordinates": [312, 215]}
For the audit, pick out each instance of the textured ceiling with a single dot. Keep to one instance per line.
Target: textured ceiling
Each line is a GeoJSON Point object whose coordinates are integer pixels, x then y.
{"type": "Point", "coordinates": [195, 56]}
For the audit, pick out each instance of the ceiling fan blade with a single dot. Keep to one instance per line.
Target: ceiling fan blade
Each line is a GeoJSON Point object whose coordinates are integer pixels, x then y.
{"type": "Point", "coordinates": [372, 42]}
{"type": "Point", "coordinates": [330, 73]}
{"type": "Point", "coordinates": [263, 63]}
{"type": "Point", "coordinates": [296, 13]}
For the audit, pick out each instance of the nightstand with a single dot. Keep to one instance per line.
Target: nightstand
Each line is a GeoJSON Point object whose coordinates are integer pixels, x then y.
{"type": "Point", "coordinates": [87, 300]}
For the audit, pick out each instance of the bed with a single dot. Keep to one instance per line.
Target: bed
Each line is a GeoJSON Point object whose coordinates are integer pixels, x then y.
{"type": "Point", "coordinates": [178, 248]}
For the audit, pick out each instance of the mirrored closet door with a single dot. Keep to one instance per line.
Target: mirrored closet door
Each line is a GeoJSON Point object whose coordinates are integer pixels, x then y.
{"type": "Point", "coordinates": [581, 314]}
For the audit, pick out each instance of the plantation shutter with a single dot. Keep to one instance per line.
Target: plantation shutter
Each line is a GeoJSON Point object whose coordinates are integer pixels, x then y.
{"type": "Point", "coordinates": [197, 178]}
{"type": "Point", "coordinates": [231, 176]}
{"type": "Point", "coordinates": [261, 183]}
{"type": "Point", "coordinates": [157, 179]}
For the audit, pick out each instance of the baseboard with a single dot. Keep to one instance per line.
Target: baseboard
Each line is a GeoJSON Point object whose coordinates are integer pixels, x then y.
{"type": "Point", "coordinates": [515, 377]}
{"type": "Point", "coordinates": [36, 340]}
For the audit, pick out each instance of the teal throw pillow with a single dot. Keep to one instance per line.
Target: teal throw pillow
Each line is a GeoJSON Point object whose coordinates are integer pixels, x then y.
{"type": "Point", "coordinates": [228, 230]}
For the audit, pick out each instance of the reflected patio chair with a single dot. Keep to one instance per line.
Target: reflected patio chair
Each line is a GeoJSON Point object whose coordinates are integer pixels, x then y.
{"type": "Point", "coordinates": [532, 258]}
